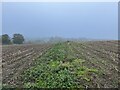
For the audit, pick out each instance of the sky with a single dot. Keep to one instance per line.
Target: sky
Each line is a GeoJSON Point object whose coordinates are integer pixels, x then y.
{"type": "Point", "coordinates": [60, 0]}
{"type": "Point", "coordinates": [0, 18]}
{"type": "Point", "coordinates": [63, 19]}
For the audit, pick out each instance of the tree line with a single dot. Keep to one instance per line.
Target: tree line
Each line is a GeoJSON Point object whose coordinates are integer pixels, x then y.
{"type": "Point", "coordinates": [16, 39]}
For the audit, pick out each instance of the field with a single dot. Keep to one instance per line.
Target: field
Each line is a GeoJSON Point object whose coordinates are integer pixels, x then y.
{"type": "Point", "coordinates": [16, 58]}
{"type": "Point", "coordinates": [92, 64]}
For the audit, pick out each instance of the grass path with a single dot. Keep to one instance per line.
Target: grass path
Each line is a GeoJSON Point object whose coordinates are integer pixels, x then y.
{"type": "Point", "coordinates": [60, 68]}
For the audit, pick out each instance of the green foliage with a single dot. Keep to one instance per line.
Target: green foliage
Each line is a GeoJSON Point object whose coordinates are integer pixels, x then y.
{"type": "Point", "coordinates": [6, 39]}
{"type": "Point", "coordinates": [56, 70]}
{"type": "Point", "coordinates": [18, 39]}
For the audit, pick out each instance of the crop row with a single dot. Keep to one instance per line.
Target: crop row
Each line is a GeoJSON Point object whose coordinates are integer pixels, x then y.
{"type": "Point", "coordinates": [17, 58]}
{"type": "Point", "coordinates": [75, 65]}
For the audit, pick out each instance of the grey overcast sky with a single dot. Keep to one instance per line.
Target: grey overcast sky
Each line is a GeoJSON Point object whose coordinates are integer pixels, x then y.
{"type": "Point", "coordinates": [70, 20]}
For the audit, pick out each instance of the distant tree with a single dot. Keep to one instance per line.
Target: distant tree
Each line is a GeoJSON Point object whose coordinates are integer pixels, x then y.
{"type": "Point", "coordinates": [56, 39]}
{"type": "Point", "coordinates": [18, 39]}
{"type": "Point", "coordinates": [6, 39]}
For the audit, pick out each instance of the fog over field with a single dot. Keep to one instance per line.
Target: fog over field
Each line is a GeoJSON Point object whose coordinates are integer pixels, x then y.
{"type": "Point", "coordinates": [59, 45]}
{"type": "Point", "coordinates": [67, 20]}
